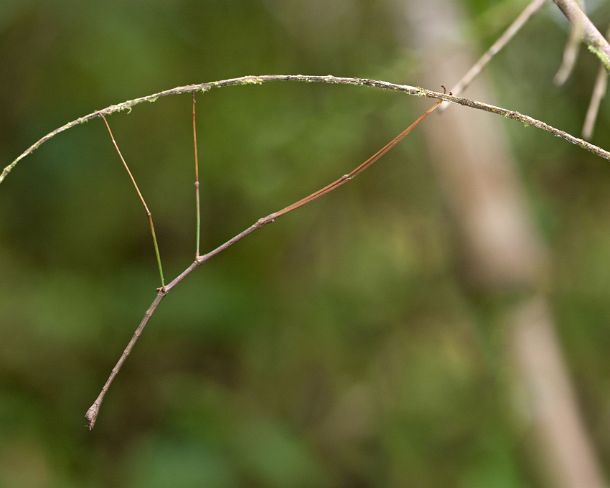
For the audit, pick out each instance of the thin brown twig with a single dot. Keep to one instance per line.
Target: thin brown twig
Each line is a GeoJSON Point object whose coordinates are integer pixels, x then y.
{"type": "Point", "coordinates": [570, 52]}
{"type": "Point", "coordinates": [93, 411]}
{"type": "Point", "coordinates": [141, 197]}
{"type": "Point", "coordinates": [328, 79]}
{"type": "Point", "coordinates": [495, 48]}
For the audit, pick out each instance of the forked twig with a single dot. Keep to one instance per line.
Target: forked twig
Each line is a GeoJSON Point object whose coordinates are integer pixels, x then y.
{"type": "Point", "coordinates": [93, 411]}
{"type": "Point", "coordinates": [599, 91]}
{"type": "Point", "coordinates": [197, 201]}
{"type": "Point", "coordinates": [139, 193]}
{"type": "Point", "coordinates": [495, 48]}
{"type": "Point", "coordinates": [594, 40]}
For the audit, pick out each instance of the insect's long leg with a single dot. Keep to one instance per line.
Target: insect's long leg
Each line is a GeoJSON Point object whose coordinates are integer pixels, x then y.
{"type": "Point", "coordinates": [197, 201]}
{"type": "Point", "coordinates": [360, 168]}
{"type": "Point", "coordinates": [139, 193]}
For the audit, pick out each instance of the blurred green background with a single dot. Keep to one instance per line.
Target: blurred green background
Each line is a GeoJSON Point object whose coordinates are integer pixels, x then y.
{"type": "Point", "coordinates": [333, 348]}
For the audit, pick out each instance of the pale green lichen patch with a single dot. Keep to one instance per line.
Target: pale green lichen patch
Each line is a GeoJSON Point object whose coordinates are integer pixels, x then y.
{"type": "Point", "coordinates": [253, 80]}
{"type": "Point", "coordinates": [153, 99]}
{"type": "Point", "coordinates": [603, 57]}
{"type": "Point", "coordinates": [420, 92]}
{"type": "Point", "coordinates": [121, 107]}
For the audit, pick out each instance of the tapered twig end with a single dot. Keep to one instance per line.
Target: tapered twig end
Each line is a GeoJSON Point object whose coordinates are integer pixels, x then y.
{"type": "Point", "coordinates": [91, 415]}
{"type": "Point", "coordinates": [7, 170]}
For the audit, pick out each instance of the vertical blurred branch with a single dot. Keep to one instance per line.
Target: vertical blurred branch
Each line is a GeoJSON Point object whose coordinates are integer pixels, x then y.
{"type": "Point", "coordinates": [599, 91]}
{"type": "Point", "coordinates": [570, 53]}
{"type": "Point", "coordinates": [503, 255]}
{"type": "Point", "coordinates": [567, 454]}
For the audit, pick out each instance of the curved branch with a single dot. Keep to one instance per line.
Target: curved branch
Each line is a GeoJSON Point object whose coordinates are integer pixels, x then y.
{"type": "Point", "coordinates": [329, 79]}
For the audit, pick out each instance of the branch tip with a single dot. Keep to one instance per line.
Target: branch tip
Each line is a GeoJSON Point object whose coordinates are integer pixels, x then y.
{"type": "Point", "coordinates": [91, 415]}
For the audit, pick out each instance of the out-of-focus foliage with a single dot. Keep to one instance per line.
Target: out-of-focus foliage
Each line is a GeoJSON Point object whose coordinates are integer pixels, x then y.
{"type": "Point", "coordinates": [334, 348]}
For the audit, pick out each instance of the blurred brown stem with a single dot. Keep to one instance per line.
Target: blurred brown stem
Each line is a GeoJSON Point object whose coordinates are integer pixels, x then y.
{"type": "Point", "coordinates": [503, 258]}
{"type": "Point", "coordinates": [495, 48]}
{"type": "Point", "coordinates": [570, 52]}
{"type": "Point", "coordinates": [599, 91]}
